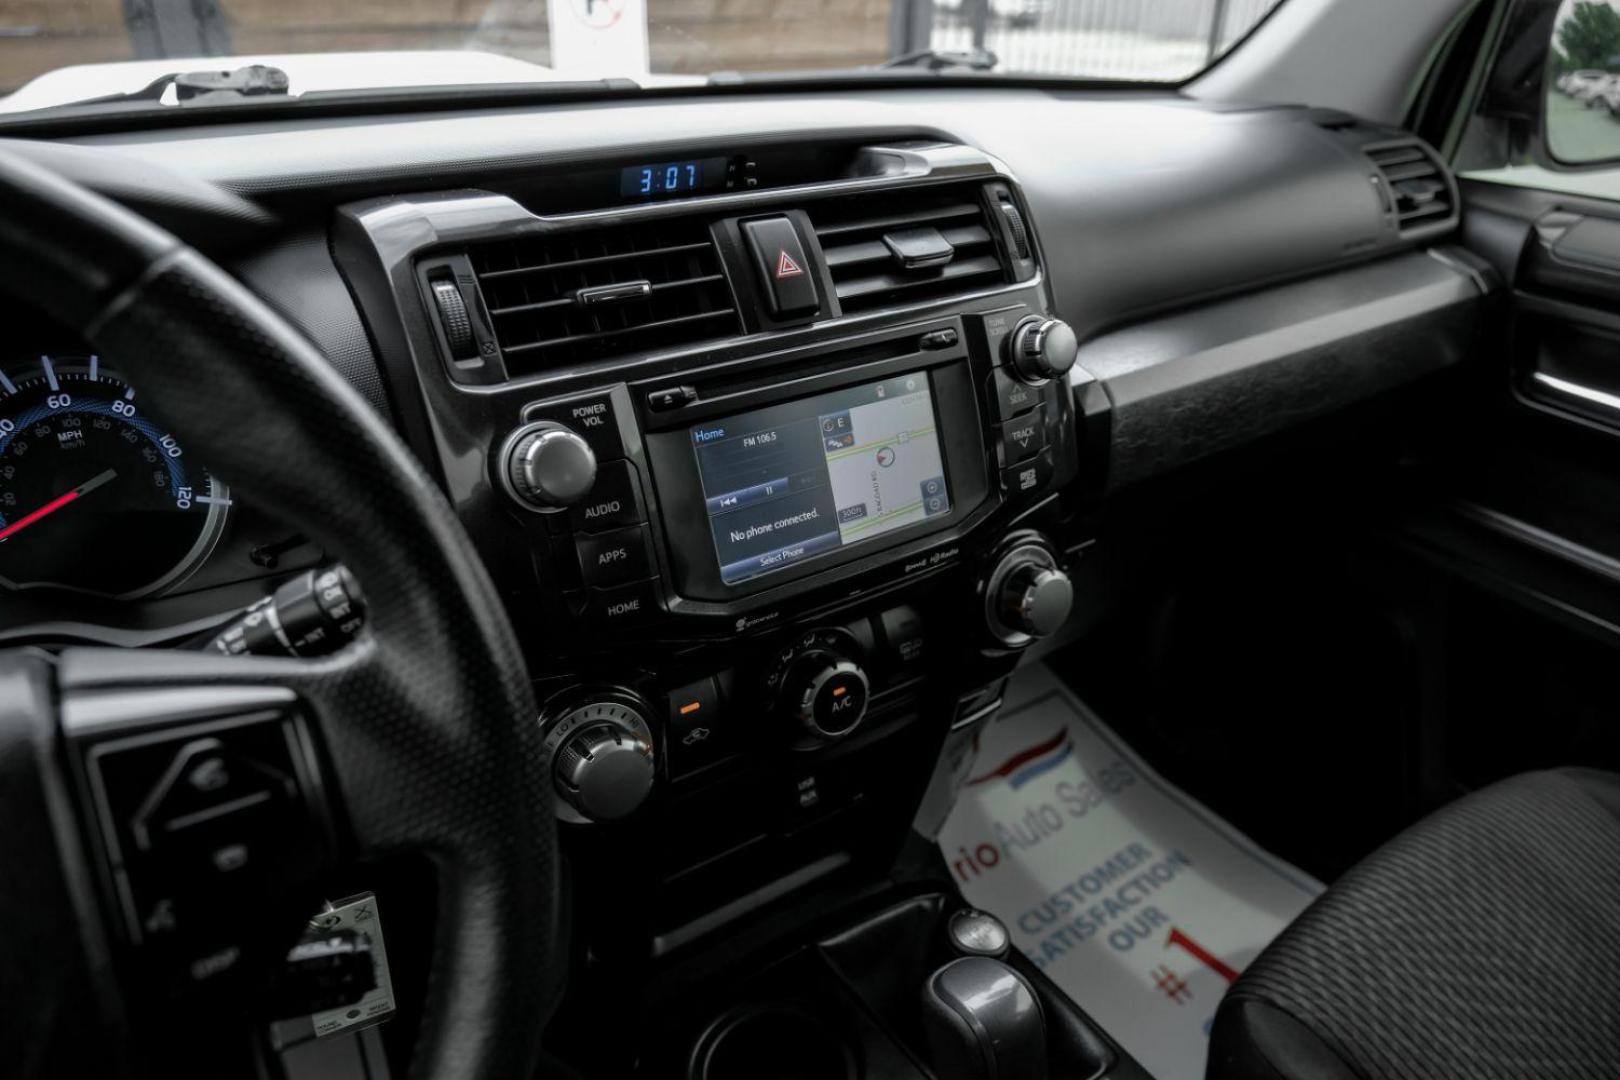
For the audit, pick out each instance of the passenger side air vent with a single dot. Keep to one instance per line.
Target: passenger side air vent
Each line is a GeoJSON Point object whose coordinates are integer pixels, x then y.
{"type": "Point", "coordinates": [565, 298]}
{"type": "Point", "coordinates": [907, 246]}
{"type": "Point", "coordinates": [1419, 192]}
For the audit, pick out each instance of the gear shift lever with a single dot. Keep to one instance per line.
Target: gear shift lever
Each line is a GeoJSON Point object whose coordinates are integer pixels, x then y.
{"type": "Point", "coordinates": [983, 1022]}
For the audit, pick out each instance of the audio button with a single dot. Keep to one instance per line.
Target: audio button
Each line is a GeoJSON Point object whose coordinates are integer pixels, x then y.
{"type": "Point", "coordinates": [614, 500]}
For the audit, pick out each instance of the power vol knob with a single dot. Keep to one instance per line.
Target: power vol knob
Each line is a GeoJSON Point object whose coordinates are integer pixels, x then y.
{"type": "Point", "coordinates": [546, 465]}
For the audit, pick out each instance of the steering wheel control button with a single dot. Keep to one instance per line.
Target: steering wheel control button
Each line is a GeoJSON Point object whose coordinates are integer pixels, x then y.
{"type": "Point", "coordinates": [594, 417]}
{"type": "Point", "coordinates": [1023, 438]}
{"type": "Point", "coordinates": [615, 557]}
{"type": "Point", "coordinates": [1013, 397]}
{"type": "Point", "coordinates": [602, 760]}
{"type": "Point", "coordinates": [204, 782]}
{"type": "Point", "coordinates": [549, 466]}
{"type": "Point", "coordinates": [1028, 477]}
{"type": "Point", "coordinates": [977, 933]}
{"type": "Point", "coordinates": [1040, 348]}
{"type": "Point", "coordinates": [613, 502]}
{"type": "Point", "coordinates": [784, 271]}
{"type": "Point", "coordinates": [205, 827]}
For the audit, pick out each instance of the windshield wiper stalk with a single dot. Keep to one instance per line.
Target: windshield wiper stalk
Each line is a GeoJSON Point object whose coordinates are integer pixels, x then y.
{"type": "Point", "coordinates": [255, 80]}
{"type": "Point", "coordinates": [944, 59]}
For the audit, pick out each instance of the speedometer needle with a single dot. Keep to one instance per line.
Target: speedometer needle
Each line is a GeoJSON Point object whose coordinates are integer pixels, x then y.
{"type": "Point", "coordinates": [57, 503]}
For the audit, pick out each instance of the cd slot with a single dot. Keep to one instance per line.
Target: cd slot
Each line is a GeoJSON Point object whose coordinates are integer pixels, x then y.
{"type": "Point", "coordinates": [813, 370]}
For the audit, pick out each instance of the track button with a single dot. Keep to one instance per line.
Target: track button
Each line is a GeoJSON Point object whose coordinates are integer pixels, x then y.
{"type": "Point", "coordinates": [1023, 438]}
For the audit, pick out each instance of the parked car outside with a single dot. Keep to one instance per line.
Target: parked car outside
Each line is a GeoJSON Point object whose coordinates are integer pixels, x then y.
{"type": "Point", "coordinates": [1584, 85]}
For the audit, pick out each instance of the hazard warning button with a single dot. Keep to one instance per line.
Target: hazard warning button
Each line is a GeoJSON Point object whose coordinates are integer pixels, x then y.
{"type": "Point", "coordinates": [784, 272]}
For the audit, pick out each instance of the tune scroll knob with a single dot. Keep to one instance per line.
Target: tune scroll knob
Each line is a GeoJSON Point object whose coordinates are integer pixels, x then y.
{"type": "Point", "coordinates": [1040, 348]}
{"type": "Point", "coordinates": [547, 466]}
{"type": "Point", "coordinates": [1036, 600]}
{"type": "Point", "coordinates": [1027, 596]}
{"type": "Point", "coordinates": [602, 761]}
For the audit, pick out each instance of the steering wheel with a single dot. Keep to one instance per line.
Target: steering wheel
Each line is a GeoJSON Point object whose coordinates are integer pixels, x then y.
{"type": "Point", "coordinates": [425, 728]}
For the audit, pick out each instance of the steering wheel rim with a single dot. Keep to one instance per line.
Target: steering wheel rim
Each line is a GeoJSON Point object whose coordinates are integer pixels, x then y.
{"type": "Point", "coordinates": [428, 722]}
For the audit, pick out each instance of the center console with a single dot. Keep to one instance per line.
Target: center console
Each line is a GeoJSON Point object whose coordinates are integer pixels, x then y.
{"type": "Point", "coordinates": [773, 452]}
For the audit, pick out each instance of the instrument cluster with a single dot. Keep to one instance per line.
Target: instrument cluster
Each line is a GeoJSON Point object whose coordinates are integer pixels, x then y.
{"type": "Point", "coordinates": [96, 495]}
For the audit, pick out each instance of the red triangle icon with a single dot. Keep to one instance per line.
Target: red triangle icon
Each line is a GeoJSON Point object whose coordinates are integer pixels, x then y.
{"type": "Point", "coordinates": [786, 267]}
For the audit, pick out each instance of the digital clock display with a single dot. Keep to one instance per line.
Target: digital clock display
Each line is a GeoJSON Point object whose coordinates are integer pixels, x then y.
{"type": "Point", "coordinates": [672, 178]}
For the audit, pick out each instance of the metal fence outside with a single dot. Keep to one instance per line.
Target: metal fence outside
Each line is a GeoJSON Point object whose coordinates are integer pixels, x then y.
{"type": "Point", "coordinates": [1111, 39]}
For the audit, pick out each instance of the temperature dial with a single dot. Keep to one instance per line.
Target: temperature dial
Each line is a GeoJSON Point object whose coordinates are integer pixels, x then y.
{"type": "Point", "coordinates": [602, 760]}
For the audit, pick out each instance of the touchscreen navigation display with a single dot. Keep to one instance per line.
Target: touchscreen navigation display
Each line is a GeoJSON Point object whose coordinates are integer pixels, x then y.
{"type": "Point", "coordinates": [794, 481]}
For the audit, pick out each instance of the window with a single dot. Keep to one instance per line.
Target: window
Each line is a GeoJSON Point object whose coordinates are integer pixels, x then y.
{"type": "Point", "coordinates": [655, 42]}
{"type": "Point", "coordinates": [1548, 114]}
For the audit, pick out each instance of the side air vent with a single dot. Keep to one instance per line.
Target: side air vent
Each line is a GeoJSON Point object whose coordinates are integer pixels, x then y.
{"type": "Point", "coordinates": [571, 297]}
{"type": "Point", "coordinates": [906, 246]}
{"type": "Point", "coordinates": [1419, 190]}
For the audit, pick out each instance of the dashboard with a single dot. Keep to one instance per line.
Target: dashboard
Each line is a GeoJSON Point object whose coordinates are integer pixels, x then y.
{"type": "Point", "coordinates": [1171, 233]}
{"type": "Point", "coordinates": [785, 425]}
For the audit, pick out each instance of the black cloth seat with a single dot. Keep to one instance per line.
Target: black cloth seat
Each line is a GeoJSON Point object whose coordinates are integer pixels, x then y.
{"type": "Point", "coordinates": [1483, 942]}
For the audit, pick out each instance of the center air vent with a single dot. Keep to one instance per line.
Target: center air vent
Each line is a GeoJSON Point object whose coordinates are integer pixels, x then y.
{"type": "Point", "coordinates": [567, 298]}
{"type": "Point", "coordinates": [1417, 183]}
{"type": "Point", "coordinates": [907, 246]}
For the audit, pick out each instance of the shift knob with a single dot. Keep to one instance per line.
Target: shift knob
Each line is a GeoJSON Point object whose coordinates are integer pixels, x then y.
{"type": "Point", "coordinates": [983, 1022]}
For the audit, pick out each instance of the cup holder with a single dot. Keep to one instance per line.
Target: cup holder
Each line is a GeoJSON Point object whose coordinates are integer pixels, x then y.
{"type": "Point", "coordinates": [781, 1040]}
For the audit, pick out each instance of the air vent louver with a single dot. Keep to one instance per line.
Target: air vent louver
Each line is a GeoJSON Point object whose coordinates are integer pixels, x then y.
{"type": "Point", "coordinates": [572, 297]}
{"type": "Point", "coordinates": [865, 239]}
{"type": "Point", "coordinates": [1416, 182]}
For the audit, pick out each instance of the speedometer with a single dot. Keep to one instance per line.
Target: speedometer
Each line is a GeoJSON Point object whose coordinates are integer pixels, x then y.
{"type": "Point", "coordinates": [94, 495]}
